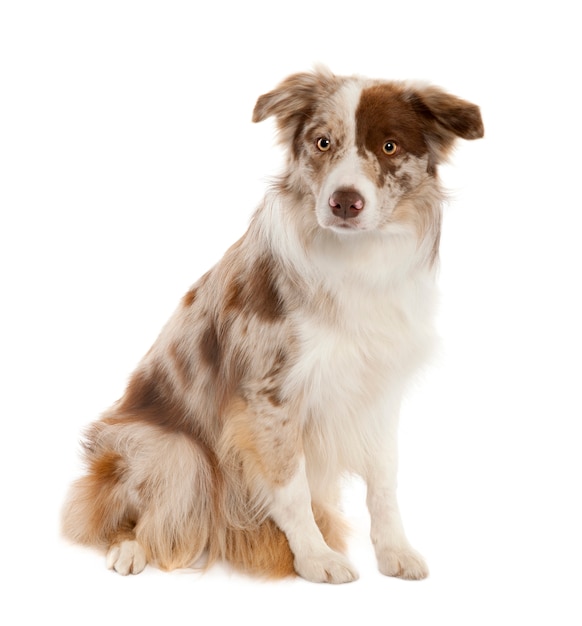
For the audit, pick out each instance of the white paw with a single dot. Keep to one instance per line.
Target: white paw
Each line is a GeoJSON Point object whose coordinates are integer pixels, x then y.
{"type": "Point", "coordinates": [402, 563]}
{"type": "Point", "coordinates": [127, 557]}
{"type": "Point", "coordinates": [329, 567]}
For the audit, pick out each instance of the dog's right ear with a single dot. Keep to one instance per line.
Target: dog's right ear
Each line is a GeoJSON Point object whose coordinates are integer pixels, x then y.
{"type": "Point", "coordinates": [293, 100]}
{"type": "Point", "coordinates": [296, 93]}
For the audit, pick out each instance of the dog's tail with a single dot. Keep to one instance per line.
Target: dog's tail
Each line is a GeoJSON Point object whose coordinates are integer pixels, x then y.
{"type": "Point", "coordinates": [143, 484]}
{"type": "Point", "coordinates": [263, 549]}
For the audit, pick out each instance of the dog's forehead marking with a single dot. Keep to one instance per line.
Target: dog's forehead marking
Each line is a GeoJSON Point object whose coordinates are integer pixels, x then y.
{"type": "Point", "coordinates": [384, 113]}
{"type": "Point", "coordinates": [345, 106]}
{"type": "Point", "coordinates": [335, 116]}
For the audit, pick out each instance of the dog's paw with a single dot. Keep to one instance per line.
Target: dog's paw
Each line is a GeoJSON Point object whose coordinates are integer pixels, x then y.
{"type": "Point", "coordinates": [329, 567]}
{"type": "Point", "coordinates": [127, 557]}
{"type": "Point", "coordinates": [402, 563]}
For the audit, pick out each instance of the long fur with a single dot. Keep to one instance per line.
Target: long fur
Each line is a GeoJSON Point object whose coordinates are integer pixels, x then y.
{"type": "Point", "coordinates": [283, 366]}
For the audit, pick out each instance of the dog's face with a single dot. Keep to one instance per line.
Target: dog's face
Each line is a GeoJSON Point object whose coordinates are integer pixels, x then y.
{"type": "Point", "coordinates": [367, 150]}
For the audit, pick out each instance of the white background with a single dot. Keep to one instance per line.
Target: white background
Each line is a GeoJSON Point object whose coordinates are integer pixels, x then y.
{"type": "Point", "coordinates": [128, 164]}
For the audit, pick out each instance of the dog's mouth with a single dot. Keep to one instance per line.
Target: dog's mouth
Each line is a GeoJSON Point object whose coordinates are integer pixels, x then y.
{"type": "Point", "coordinates": [344, 226]}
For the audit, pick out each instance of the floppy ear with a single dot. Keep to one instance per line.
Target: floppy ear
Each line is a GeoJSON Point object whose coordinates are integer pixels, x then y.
{"type": "Point", "coordinates": [293, 100]}
{"type": "Point", "coordinates": [296, 93]}
{"type": "Point", "coordinates": [446, 118]}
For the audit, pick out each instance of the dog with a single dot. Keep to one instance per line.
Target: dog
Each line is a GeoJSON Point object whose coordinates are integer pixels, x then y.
{"type": "Point", "coordinates": [283, 367]}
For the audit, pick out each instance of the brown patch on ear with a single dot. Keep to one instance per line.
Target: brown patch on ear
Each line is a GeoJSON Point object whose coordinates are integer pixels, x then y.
{"type": "Point", "coordinates": [460, 117]}
{"type": "Point", "coordinates": [445, 118]}
{"type": "Point", "coordinates": [294, 100]}
{"type": "Point", "coordinates": [295, 94]}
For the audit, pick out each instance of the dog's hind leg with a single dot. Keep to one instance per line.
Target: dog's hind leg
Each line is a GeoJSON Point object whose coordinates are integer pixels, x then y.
{"type": "Point", "coordinates": [126, 556]}
{"type": "Point", "coordinates": [96, 514]}
{"type": "Point", "coordinates": [146, 497]}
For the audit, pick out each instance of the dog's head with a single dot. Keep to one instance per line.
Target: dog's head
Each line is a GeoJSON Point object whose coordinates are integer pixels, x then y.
{"type": "Point", "coordinates": [367, 150]}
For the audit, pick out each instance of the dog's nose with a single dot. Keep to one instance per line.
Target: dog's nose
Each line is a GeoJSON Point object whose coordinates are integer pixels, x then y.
{"type": "Point", "coordinates": [346, 203]}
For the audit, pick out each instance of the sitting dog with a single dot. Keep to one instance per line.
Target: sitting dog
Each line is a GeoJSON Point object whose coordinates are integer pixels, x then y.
{"type": "Point", "coordinates": [284, 366]}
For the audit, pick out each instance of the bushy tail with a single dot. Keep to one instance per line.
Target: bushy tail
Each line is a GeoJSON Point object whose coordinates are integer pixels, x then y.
{"type": "Point", "coordinates": [263, 549]}
{"type": "Point", "coordinates": [143, 484]}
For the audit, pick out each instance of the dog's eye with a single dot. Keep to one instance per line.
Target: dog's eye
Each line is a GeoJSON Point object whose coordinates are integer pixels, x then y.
{"type": "Point", "coordinates": [390, 148]}
{"type": "Point", "coordinates": [323, 144]}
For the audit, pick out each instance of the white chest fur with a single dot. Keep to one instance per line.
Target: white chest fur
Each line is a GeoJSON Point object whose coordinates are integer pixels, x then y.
{"type": "Point", "coordinates": [356, 355]}
{"type": "Point", "coordinates": [370, 340]}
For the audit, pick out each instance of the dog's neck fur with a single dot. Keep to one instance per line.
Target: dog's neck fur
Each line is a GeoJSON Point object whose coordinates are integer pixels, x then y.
{"type": "Point", "coordinates": [363, 260]}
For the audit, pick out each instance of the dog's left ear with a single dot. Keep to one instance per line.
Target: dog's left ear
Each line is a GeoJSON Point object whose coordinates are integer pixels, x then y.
{"type": "Point", "coordinates": [446, 118]}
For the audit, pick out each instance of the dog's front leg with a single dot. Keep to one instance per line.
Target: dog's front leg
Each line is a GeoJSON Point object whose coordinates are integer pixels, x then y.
{"type": "Point", "coordinates": [265, 435]}
{"type": "Point", "coordinates": [395, 555]}
{"type": "Point", "coordinates": [292, 512]}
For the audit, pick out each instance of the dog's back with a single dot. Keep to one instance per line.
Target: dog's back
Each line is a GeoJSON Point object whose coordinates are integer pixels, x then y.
{"type": "Point", "coordinates": [283, 367]}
